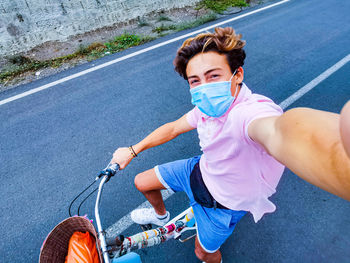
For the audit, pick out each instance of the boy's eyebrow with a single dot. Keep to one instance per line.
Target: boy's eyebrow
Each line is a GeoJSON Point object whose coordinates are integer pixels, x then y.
{"type": "Point", "coordinates": [206, 73]}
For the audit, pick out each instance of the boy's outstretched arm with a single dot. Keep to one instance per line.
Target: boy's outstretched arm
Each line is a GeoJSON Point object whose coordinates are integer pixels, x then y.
{"type": "Point", "coordinates": [345, 127]}
{"type": "Point", "coordinates": [163, 134]}
{"type": "Point", "coordinates": [308, 142]}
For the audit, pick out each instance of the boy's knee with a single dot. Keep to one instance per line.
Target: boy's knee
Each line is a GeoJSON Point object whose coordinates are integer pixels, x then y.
{"type": "Point", "coordinates": [138, 182]}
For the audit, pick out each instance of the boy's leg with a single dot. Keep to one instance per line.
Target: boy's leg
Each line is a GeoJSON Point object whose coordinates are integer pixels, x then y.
{"type": "Point", "coordinates": [214, 226]}
{"type": "Point", "coordinates": [173, 176]}
{"type": "Point", "coordinates": [205, 256]}
{"type": "Point", "coordinates": [149, 185]}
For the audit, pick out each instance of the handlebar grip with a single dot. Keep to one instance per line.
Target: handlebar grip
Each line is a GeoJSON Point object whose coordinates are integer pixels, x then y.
{"type": "Point", "coordinates": [110, 170]}
{"type": "Point", "coordinates": [114, 167]}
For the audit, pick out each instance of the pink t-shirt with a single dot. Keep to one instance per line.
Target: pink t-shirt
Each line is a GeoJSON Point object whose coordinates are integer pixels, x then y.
{"type": "Point", "coordinates": [236, 170]}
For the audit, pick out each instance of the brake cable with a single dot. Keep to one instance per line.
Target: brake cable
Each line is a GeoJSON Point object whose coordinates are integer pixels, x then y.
{"type": "Point", "coordinates": [70, 206]}
{"type": "Point", "coordinates": [109, 171]}
{"type": "Point", "coordinates": [86, 199]}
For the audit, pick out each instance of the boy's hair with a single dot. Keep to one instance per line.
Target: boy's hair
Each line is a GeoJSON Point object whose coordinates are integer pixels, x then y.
{"type": "Point", "coordinates": [224, 41]}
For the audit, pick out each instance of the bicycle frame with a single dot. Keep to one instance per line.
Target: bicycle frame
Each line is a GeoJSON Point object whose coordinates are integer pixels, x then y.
{"type": "Point", "coordinates": [173, 229]}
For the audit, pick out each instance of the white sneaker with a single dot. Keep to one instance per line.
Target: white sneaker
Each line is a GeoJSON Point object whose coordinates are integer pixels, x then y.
{"type": "Point", "coordinates": [144, 216]}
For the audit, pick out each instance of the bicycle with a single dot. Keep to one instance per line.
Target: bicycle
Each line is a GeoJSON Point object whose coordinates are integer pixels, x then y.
{"type": "Point", "coordinates": [117, 247]}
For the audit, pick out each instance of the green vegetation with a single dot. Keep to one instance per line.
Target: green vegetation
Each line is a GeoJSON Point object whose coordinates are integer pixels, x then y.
{"type": "Point", "coordinates": [163, 28]}
{"type": "Point", "coordinates": [21, 64]}
{"type": "Point", "coordinates": [163, 18]}
{"type": "Point", "coordinates": [185, 25]}
{"type": "Point", "coordinates": [219, 6]}
{"type": "Point", "coordinates": [200, 21]}
{"type": "Point", "coordinates": [142, 22]}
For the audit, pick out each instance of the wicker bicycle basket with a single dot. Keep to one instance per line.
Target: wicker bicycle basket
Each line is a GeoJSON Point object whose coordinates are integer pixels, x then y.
{"type": "Point", "coordinates": [55, 247]}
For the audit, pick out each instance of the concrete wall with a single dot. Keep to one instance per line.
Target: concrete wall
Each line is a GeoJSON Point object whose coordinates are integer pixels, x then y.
{"type": "Point", "coordinates": [25, 24]}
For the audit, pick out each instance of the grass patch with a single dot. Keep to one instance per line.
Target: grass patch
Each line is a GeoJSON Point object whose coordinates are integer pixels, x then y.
{"type": "Point", "coordinates": [142, 22]}
{"type": "Point", "coordinates": [197, 22]}
{"type": "Point", "coordinates": [219, 6]}
{"type": "Point", "coordinates": [21, 64]}
{"type": "Point", "coordinates": [185, 25]}
{"type": "Point", "coordinates": [163, 28]}
{"type": "Point", "coordinates": [163, 18]}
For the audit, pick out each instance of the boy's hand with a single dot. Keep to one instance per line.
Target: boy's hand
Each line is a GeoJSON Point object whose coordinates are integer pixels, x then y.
{"type": "Point", "coordinates": [122, 156]}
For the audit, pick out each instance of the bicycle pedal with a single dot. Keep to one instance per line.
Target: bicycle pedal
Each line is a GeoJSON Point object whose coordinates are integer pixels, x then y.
{"type": "Point", "coordinates": [146, 227]}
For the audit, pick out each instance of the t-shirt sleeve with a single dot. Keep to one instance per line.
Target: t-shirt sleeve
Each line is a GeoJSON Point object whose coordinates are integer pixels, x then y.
{"type": "Point", "coordinates": [260, 107]}
{"type": "Point", "coordinates": [193, 116]}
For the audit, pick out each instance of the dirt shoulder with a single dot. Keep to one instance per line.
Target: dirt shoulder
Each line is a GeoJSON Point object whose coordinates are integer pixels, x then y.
{"type": "Point", "coordinates": [149, 27]}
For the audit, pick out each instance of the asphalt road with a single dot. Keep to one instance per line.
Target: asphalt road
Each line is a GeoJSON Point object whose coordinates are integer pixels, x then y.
{"type": "Point", "coordinates": [53, 143]}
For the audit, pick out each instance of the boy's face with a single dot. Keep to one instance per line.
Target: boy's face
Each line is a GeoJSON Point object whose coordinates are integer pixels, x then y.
{"type": "Point", "coordinates": [211, 67]}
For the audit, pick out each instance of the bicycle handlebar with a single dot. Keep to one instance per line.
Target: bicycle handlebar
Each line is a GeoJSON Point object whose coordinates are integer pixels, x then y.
{"type": "Point", "coordinates": [109, 171]}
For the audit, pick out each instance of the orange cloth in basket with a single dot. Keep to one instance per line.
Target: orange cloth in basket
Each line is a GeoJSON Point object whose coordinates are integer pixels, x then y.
{"type": "Point", "coordinates": [82, 249]}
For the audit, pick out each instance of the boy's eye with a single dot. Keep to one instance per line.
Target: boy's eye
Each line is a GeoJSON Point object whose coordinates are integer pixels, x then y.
{"type": "Point", "coordinates": [193, 81]}
{"type": "Point", "coordinates": [214, 76]}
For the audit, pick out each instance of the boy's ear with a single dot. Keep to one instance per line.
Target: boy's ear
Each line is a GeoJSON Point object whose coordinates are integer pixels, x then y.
{"type": "Point", "coordinates": [239, 75]}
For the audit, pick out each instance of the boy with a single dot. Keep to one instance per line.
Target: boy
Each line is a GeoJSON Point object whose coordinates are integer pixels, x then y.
{"type": "Point", "coordinates": [246, 141]}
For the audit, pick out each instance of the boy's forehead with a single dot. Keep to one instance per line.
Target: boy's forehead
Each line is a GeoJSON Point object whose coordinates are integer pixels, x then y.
{"type": "Point", "coordinates": [202, 62]}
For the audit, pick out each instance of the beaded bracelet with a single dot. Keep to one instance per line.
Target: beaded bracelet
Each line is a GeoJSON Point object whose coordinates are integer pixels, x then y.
{"type": "Point", "coordinates": [133, 153]}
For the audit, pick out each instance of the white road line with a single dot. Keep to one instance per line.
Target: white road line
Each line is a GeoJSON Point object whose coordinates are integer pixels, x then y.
{"type": "Point", "coordinates": [125, 222]}
{"type": "Point", "coordinates": [301, 92]}
{"type": "Point", "coordinates": [35, 90]}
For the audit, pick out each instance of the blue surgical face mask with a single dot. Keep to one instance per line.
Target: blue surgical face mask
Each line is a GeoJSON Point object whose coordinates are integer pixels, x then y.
{"type": "Point", "coordinates": [215, 98]}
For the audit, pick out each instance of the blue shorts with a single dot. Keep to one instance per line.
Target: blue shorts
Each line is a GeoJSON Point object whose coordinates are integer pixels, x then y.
{"type": "Point", "coordinates": [214, 226]}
